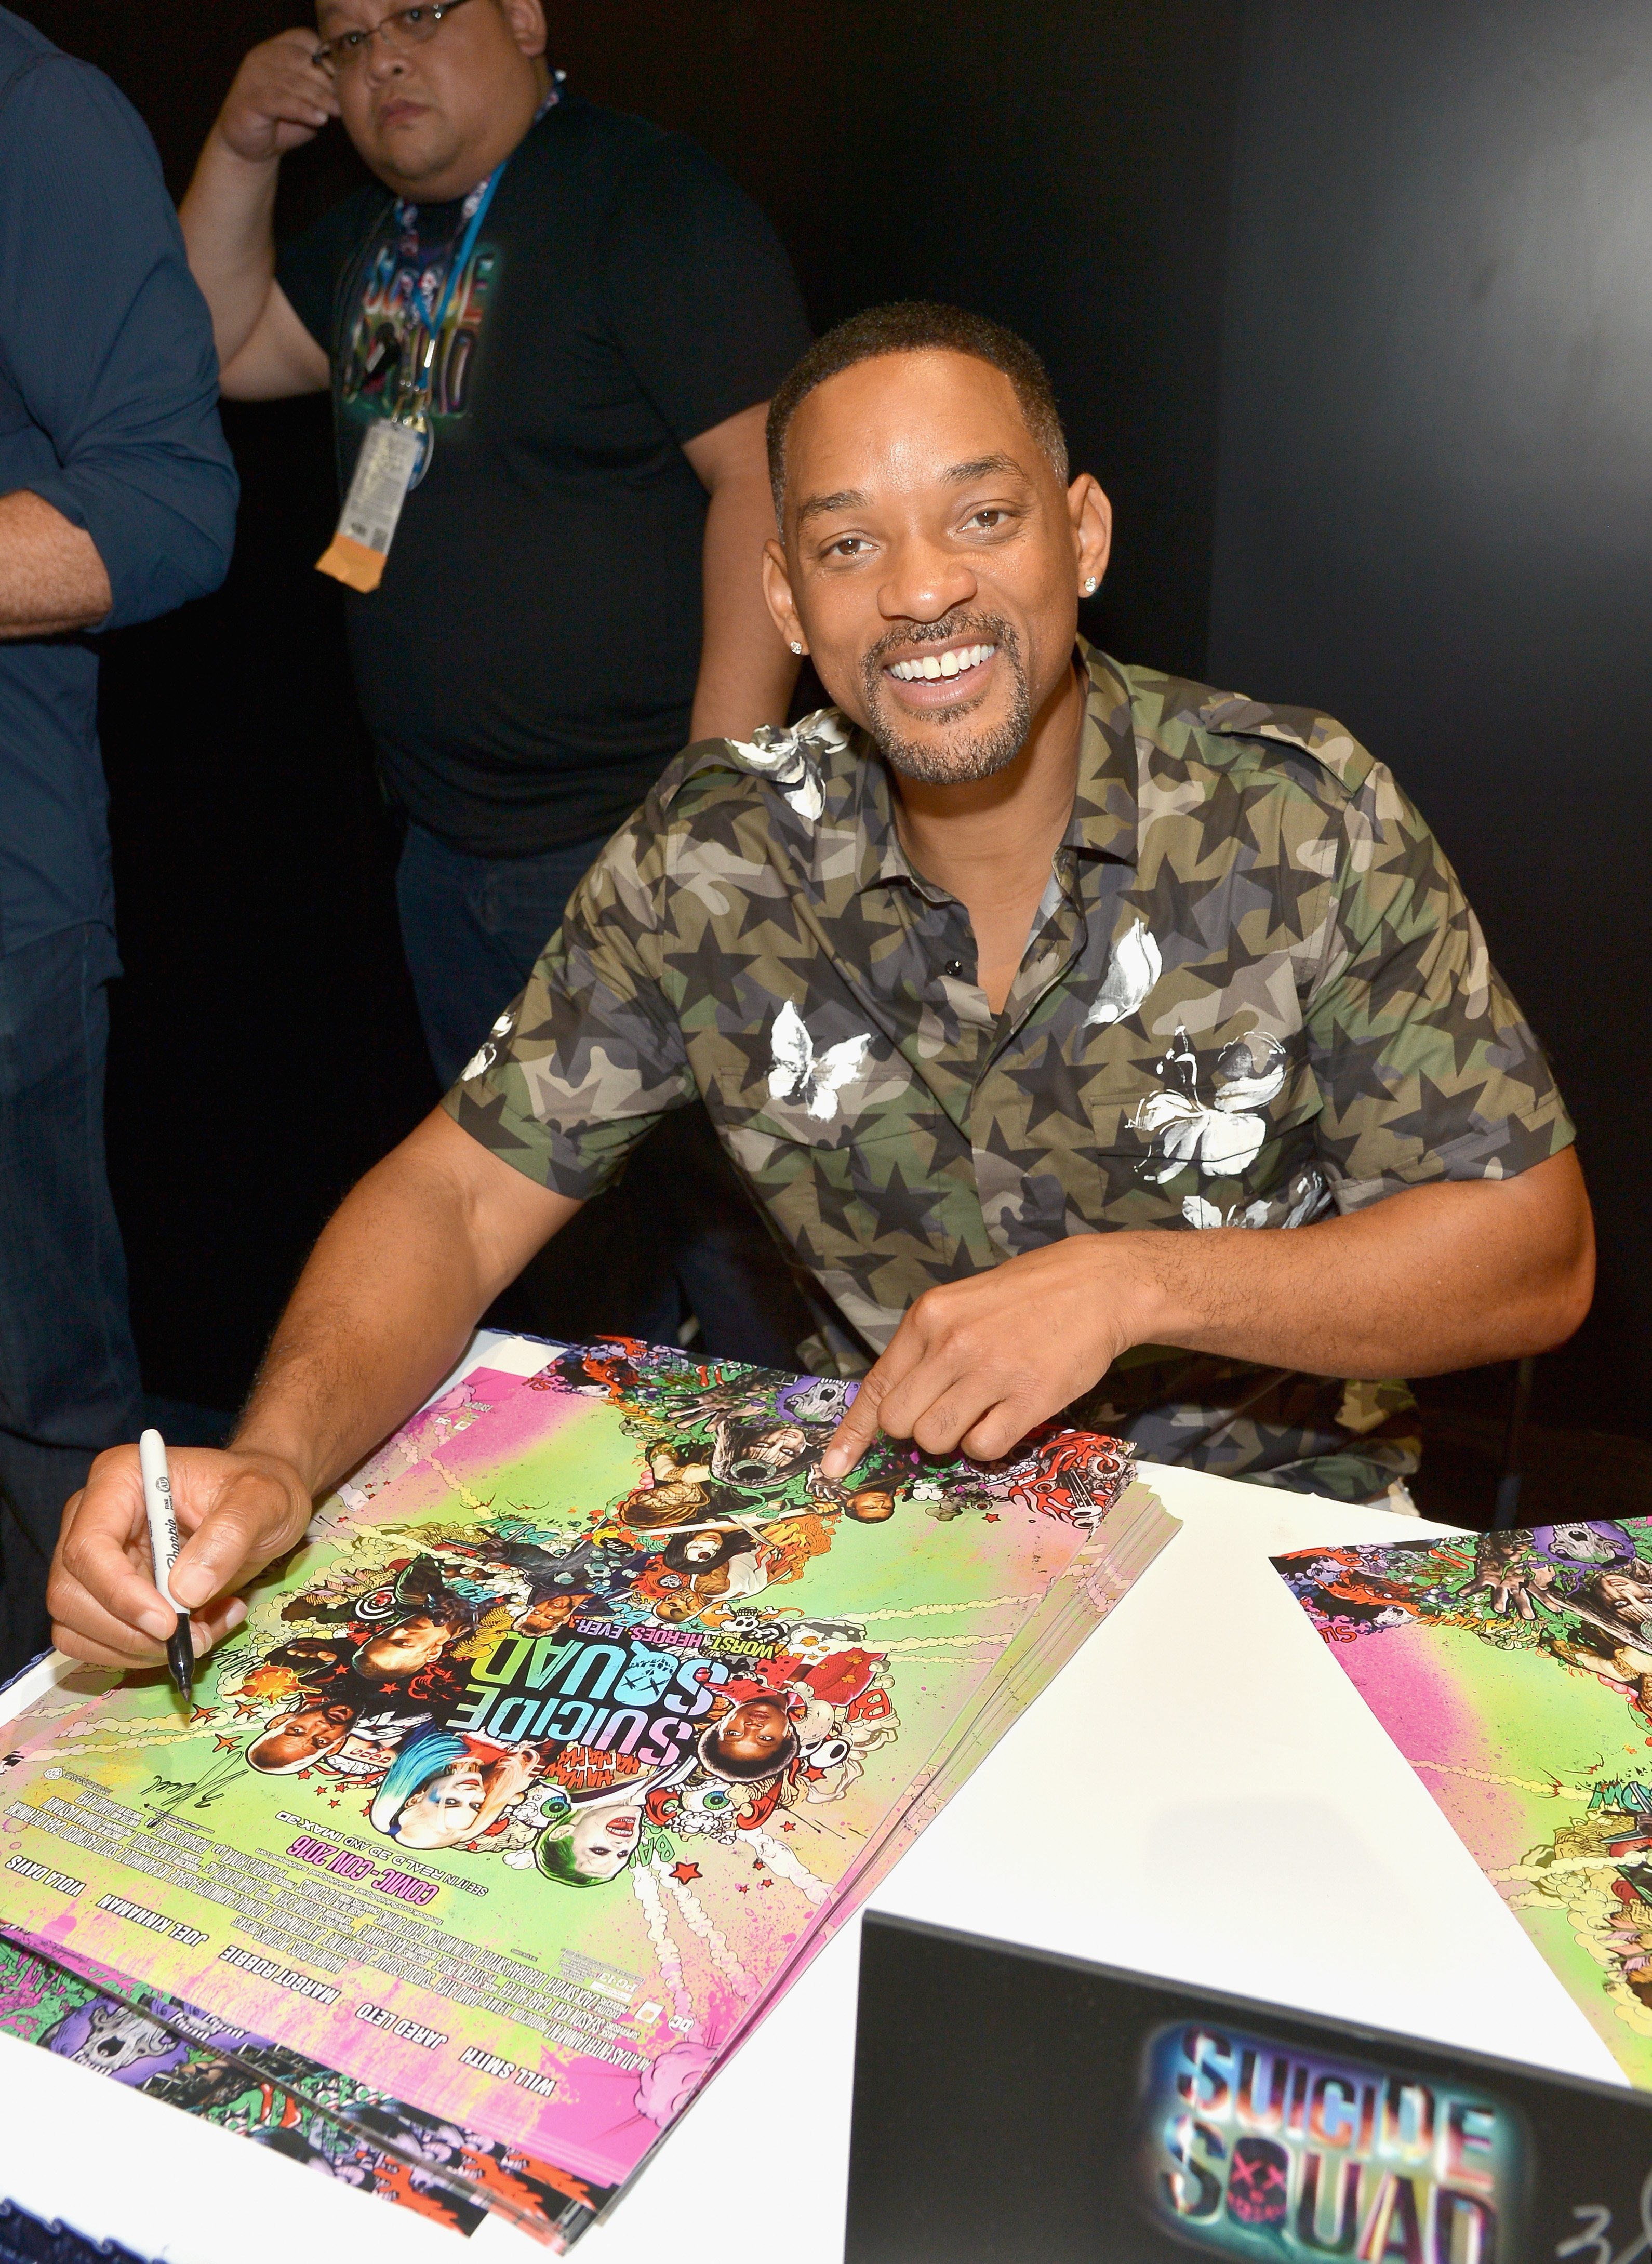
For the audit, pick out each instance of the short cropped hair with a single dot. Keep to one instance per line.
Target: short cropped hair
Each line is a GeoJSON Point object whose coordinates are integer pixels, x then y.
{"type": "Point", "coordinates": [918, 326]}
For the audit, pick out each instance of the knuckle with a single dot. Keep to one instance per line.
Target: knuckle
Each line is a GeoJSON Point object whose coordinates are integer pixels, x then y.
{"type": "Point", "coordinates": [74, 1560]}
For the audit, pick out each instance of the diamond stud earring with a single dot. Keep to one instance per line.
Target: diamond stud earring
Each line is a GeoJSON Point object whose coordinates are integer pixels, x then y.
{"type": "Point", "coordinates": [1089, 585]}
{"type": "Point", "coordinates": [795, 646]}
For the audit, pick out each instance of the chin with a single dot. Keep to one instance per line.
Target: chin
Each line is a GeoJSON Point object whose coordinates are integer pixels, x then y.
{"type": "Point", "coordinates": [963, 760]}
{"type": "Point", "coordinates": [409, 157]}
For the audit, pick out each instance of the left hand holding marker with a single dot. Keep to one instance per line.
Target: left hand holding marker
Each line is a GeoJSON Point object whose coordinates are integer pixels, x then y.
{"type": "Point", "coordinates": [976, 1363]}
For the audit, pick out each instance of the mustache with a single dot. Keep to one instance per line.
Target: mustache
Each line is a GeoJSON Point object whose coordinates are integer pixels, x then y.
{"type": "Point", "coordinates": [988, 628]}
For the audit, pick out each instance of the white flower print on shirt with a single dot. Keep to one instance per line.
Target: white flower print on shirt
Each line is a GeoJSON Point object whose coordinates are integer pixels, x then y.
{"type": "Point", "coordinates": [792, 758]}
{"type": "Point", "coordinates": [487, 1052]}
{"type": "Point", "coordinates": [1133, 969]}
{"type": "Point", "coordinates": [1223, 1135]}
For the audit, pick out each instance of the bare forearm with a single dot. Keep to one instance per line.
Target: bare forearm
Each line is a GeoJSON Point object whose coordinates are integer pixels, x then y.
{"type": "Point", "coordinates": [746, 674]}
{"type": "Point", "coordinates": [1440, 1277]}
{"type": "Point", "coordinates": [405, 1267]}
{"type": "Point", "coordinates": [228, 218]}
{"type": "Point", "coordinates": [52, 579]}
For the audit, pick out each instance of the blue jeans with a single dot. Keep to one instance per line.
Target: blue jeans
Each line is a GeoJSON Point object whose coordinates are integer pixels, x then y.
{"type": "Point", "coordinates": [471, 928]}
{"type": "Point", "coordinates": [69, 1374]}
{"type": "Point", "coordinates": [678, 1239]}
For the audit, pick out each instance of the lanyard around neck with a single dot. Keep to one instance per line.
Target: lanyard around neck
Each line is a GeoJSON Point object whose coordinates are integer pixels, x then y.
{"type": "Point", "coordinates": [413, 407]}
{"type": "Point", "coordinates": [462, 251]}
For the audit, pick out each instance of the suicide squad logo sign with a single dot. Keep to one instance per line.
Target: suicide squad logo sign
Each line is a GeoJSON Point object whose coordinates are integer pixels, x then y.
{"type": "Point", "coordinates": [1257, 2149]}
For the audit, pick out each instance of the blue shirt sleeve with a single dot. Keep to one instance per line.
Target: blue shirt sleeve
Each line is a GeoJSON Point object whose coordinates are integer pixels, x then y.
{"type": "Point", "coordinates": [105, 342]}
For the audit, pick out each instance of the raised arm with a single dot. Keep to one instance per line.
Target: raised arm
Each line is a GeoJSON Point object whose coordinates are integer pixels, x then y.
{"type": "Point", "coordinates": [281, 99]}
{"type": "Point", "coordinates": [413, 1256]}
{"type": "Point", "coordinates": [1437, 1277]}
{"type": "Point", "coordinates": [746, 674]}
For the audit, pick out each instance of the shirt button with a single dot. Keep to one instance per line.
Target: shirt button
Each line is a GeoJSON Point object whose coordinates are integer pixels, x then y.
{"type": "Point", "coordinates": [954, 968]}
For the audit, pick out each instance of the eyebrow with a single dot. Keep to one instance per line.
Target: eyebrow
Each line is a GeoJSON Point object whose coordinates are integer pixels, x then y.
{"type": "Point", "coordinates": [954, 475]}
{"type": "Point", "coordinates": [845, 499]}
{"type": "Point", "coordinates": [979, 466]}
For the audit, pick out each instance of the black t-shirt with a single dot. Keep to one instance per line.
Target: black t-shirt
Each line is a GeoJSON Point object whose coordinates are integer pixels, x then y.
{"type": "Point", "coordinates": [527, 664]}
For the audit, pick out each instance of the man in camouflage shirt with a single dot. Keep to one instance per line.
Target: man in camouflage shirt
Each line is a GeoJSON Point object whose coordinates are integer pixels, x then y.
{"type": "Point", "coordinates": [1152, 1065]}
{"type": "Point", "coordinates": [1056, 1013]}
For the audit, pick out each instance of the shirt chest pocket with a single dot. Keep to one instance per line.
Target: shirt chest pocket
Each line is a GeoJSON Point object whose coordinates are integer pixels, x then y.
{"type": "Point", "coordinates": [810, 1086]}
{"type": "Point", "coordinates": [1220, 1108]}
{"type": "Point", "coordinates": [1130, 1125]}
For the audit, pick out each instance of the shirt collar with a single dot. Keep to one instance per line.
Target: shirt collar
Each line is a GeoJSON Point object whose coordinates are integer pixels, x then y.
{"type": "Point", "coordinates": [1105, 802]}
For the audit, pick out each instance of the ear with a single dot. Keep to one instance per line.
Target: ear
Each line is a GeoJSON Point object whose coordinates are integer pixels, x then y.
{"type": "Point", "coordinates": [777, 591]}
{"type": "Point", "coordinates": [525, 22]}
{"type": "Point", "coordinates": [1091, 517]}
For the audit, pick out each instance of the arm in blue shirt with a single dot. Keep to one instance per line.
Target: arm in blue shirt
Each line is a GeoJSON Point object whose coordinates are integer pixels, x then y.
{"type": "Point", "coordinates": [106, 343]}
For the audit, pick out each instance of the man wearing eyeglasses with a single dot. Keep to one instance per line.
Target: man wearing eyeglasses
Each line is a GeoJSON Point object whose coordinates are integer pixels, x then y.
{"type": "Point", "coordinates": [578, 319]}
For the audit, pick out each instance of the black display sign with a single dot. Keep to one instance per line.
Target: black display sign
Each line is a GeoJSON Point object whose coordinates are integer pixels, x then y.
{"type": "Point", "coordinates": [1014, 2105]}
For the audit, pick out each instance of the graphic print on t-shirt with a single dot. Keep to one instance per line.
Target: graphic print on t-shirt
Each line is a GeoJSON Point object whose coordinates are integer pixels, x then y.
{"type": "Point", "coordinates": [405, 270]}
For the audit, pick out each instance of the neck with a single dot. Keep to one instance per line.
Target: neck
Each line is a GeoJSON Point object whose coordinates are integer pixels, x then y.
{"type": "Point", "coordinates": [996, 835]}
{"type": "Point", "coordinates": [990, 843]}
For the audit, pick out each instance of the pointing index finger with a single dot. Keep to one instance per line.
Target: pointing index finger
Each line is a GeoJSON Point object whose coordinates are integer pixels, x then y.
{"type": "Point", "coordinates": [856, 1432]}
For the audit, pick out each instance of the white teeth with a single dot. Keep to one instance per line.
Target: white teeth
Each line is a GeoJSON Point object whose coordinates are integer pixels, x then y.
{"type": "Point", "coordinates": [954, 662]}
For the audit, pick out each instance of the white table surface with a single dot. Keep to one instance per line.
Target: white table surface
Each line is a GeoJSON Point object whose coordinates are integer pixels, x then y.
{"type": "Point", "coordinates": [1200, 1794]}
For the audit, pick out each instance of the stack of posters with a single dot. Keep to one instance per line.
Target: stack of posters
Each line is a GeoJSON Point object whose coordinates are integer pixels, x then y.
{"type": "Point", "coordinates": [580, 1720]}
{"type": "Point", "coordinates": [1514, 1672]}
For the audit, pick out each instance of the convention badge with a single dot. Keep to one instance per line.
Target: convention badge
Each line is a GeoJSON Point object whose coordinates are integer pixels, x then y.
{"type": "Point", "coordinates": [392, 455]}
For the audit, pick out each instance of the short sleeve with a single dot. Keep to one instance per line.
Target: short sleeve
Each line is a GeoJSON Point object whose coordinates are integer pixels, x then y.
{"type": "Point", "coordinates": [1426, 1067]}
{"type": "Point", "coordinates": [307, 266]}
{"type": "Point", "coordinates": [701, 297]}
{"type": "Point", "coordinates": [584, 1064]}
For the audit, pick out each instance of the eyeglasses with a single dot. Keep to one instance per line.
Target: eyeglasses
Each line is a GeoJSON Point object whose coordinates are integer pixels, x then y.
{"type": "Point", "coordinates": [408, 27]}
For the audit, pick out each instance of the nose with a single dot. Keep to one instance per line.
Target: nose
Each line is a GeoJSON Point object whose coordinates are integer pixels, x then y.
{"type": "Point", "coordinates": [382, 62]}
{"type": "Point", "coordinates": [925, 580]}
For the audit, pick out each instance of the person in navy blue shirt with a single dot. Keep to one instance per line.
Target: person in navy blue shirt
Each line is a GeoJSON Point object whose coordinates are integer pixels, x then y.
{"type": "Point", "coordinates": [117, 503]}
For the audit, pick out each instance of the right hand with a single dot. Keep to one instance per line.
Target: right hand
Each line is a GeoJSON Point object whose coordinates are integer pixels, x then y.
{"type": "Point", "coordinates": [239, 1511]}
{"type": "Point", "coordinates": [281, 99]}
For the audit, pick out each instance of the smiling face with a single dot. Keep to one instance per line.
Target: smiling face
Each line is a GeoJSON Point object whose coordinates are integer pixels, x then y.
{"type": "Point", "coordinates": [605, 1838]}
{"type": "Point", "coordinates": [932, 559]}
{"type": "Point", "coordinates": [294, 1740]}
{"type": "Point", "coordinates": [433, 120]}
{"type": "Point", "coordinates": [756, 1731]}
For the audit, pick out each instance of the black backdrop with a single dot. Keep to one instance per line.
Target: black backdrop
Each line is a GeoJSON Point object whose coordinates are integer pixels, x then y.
{"type": "Point", "coordinates": [1435, 511]}
{"type": "Point", "coordinates": [1112, 177]}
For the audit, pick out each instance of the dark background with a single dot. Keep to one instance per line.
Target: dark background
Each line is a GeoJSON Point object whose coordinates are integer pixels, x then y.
{"type": "Point", "coordinates": [1348, 307]}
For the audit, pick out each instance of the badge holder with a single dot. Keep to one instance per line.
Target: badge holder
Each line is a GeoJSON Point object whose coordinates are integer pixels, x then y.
{"type": "Point", "coordinates": [393, 457]}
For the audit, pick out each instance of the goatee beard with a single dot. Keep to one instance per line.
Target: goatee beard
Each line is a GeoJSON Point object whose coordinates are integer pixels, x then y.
{"type": "Point", "coordinates": [967, 756]}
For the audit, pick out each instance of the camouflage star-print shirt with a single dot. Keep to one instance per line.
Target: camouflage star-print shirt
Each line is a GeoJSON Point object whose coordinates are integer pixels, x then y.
{"type": "Point", "coordinates": [1253, 994]}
